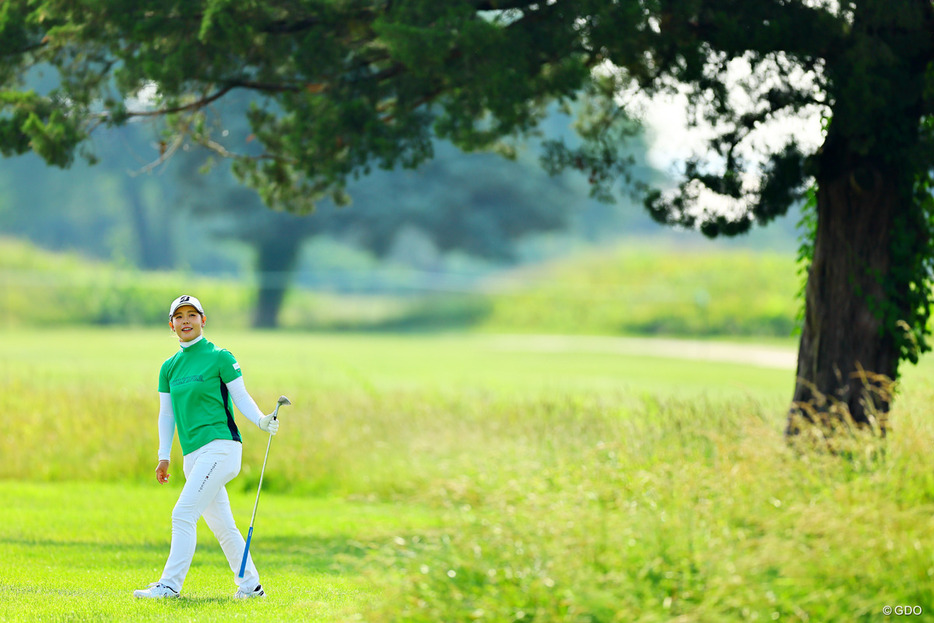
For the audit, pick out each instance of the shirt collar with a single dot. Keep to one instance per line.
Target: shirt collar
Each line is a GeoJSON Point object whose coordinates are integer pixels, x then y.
{"type": "Point", "coordinates": [192, 342]}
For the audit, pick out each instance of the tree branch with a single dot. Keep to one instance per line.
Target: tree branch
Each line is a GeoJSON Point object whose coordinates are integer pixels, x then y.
{"type": "Point", "coordinates": [816, 29]}
{"type": "Point", "coordinates": [27, 49]}
{"type": "Point", "coordinates": [502, 5]}
{"type": "Point", "coordinates": [196, 105]}
{"type": "Point", "coordinates": [165, 152]}
{"type": "Point", "coordinates": [289, 27]}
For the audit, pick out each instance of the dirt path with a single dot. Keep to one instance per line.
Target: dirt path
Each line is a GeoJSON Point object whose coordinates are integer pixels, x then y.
{"type": "Point", "coordinates": [701, 350]}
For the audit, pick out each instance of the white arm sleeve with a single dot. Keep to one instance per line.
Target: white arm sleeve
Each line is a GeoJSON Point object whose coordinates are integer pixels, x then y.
{"type": "Point", "coordinates": [166, 426]}
{"type": "Point", "coordinates": [243, 400]}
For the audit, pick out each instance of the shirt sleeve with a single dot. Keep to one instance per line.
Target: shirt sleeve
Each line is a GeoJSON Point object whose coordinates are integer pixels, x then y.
{"type": "Point", "coordinates": [229, 368]}
{"type": "Point", "coordinates": [163, 379]}
{"type": "Point", "coordinates": [166, 426]}
{"type": "Point", "coordinates": [243, 400]}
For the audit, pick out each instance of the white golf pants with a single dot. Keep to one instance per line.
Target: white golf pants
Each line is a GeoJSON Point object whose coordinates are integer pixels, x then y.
{"type": "Point", "coordinates": [207, 470]}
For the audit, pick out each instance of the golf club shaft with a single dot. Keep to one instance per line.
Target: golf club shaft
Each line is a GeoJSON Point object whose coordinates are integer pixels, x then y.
{"type": "Point", "coordinates": [260, 486]}
{"type": "Point", "coordinates": [249, 536]}
{"type": "Point", "coordinates": [246, 551]}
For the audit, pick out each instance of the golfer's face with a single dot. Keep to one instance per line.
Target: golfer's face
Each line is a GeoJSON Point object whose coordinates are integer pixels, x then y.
{"type": "Point", "coordinates": [187, 323]}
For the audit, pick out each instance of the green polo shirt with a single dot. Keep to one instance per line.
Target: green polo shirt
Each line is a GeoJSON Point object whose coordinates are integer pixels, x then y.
{"type": "Point", "coordinates": [196, 379]}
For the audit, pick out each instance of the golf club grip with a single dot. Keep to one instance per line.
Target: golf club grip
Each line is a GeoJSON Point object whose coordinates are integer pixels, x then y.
{"type": "Point", "coordinates": [246, 552]}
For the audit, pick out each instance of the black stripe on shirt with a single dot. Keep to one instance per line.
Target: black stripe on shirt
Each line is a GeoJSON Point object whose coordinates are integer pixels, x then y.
{"type": "Point", "coordinates": [231, 424]}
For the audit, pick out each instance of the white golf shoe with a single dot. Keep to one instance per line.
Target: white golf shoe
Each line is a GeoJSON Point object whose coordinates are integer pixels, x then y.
{"type": "Point", "coordinates": [256, 592]}
{"type": "Point", "coordinates": [156, 590]}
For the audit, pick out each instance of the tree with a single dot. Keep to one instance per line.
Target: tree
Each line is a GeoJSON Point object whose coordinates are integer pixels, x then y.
{"type": "Point", "coordinates": [103, 211]}
{"type": "Point", "coordinates": [352, 84]}
{"type": "Point", "coordinates": [469, 203]}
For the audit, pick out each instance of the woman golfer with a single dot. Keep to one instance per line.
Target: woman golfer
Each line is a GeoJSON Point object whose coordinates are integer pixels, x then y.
{"type": "Point", "coordinates": [196, 386]}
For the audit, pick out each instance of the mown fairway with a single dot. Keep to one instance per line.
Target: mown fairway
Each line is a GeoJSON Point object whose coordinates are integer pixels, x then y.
{"type": "Point", "coordinates": [457, 478]}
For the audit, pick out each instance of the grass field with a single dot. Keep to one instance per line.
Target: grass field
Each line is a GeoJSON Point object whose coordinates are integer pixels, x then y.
{"type": "Point", "coordinates": [462, 478]}
{"type": "Point", "coordinates": [658, 288]}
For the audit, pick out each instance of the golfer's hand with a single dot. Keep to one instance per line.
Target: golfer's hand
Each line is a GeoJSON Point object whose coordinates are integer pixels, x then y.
{"type": "Point", "coordinates": [269, 424]}
{"type": "Point", "coordinates": [162, 472]}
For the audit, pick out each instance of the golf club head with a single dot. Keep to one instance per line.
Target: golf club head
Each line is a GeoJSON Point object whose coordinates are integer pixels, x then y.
{"type": "Point", "coordinates": [282, 401]}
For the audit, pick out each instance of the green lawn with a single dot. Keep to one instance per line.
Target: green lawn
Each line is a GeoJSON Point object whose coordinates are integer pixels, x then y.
{"type": "Point", "coordinates": [75, 551]}
{"type": "Point", "coordinates": [462, 478]}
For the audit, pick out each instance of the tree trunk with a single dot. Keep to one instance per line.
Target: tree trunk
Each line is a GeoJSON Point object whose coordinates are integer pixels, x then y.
{"type": "Point", "coordinates": [275, 262]}
{"type": "Point", "coordinates": [865, 277]}
{"type": "Point", "coordinates": [847, 358]}
{"type": "Point", "coordinates": [154, 242]}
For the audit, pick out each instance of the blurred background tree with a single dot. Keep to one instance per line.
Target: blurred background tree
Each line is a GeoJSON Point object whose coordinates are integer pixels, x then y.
{"type": "Point", "coordinates": [476, 204]}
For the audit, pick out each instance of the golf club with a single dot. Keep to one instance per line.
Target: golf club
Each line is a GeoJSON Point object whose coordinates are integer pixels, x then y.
{"type": "Point", "coordinates": [246, 550]}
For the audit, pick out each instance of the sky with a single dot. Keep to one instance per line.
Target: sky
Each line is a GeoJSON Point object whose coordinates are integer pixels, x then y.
{"type": "Point", "coordinates": [672, 141]}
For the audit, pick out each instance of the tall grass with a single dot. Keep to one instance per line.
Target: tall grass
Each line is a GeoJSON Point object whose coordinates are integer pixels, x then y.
{"type": "Point", "coordinates": [675, 512]}
{"type": "Point", "coordinates": [672, 510]}
{"type": "Point", "coordinates": [564, 501]}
